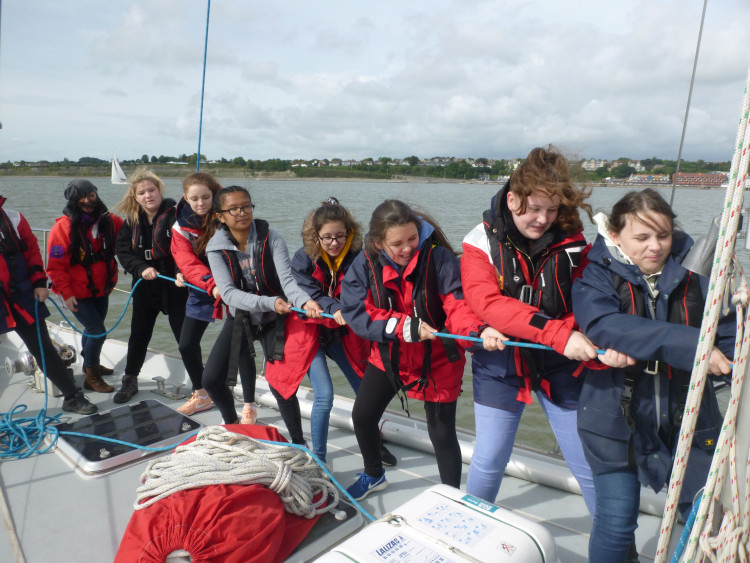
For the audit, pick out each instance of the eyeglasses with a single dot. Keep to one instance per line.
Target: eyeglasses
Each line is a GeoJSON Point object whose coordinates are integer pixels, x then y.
{"type": "Point", "coordinates": [237, 211]}
{"type": "Point", "coordinates": [328, 240]}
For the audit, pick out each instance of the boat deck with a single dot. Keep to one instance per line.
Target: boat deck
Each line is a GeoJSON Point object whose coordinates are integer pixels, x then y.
{"type": "Point", "coordinates": [60, 514]}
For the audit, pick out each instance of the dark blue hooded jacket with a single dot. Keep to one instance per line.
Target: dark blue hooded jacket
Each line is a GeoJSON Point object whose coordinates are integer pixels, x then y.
{"type": "Point", "coordinates": [602, 426]}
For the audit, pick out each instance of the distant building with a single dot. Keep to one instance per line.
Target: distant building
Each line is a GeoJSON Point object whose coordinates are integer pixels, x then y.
{"type": "Point", "coordinates": [593, 164]}
{"type": "Point", "coordinates": [700, 179]}
{"type": "Point", "coordinates": [649, 179]}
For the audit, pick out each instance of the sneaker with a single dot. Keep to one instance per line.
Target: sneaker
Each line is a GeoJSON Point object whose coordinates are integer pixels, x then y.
{"type": "Point", "coordinates": [196, 403]}
{"type": "Point", "coordinates": [78, 403]}
{"type": "Point", "coordinates": [128, 389]}
{"type": "Point", "coordinates": [249, 414]}
{"type": "Point", "coordinates": [366, 485]}
{"type": "Point", "coordinates": [386, 457]}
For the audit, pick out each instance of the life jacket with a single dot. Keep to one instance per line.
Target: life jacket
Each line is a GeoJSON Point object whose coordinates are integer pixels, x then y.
{"type": "Point", "coordinates": [685, 307]}
{"type": "Point", "coordinates": [162, 244]}
{"type": "Point", "coordinates": [105, 254]}
{"type": "Point", "coordinates": [11, 246]}
{"type": "Point", "coordinates": [427, 307]}
{"type": "Point", "coordinates": [270, 331]}
{"type": "Point", "coordinates": [545, 284]}
{"type": "Point", "coordinates": [544, 281]}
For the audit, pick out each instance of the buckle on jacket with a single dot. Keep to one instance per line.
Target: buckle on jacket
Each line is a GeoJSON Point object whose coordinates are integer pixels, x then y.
{"type": "Point", "coordinates": [149, 255]}
{"type": "Point", "coordinates": [527, 292]}
{"type": "Point", "coordinates": [652, 367]}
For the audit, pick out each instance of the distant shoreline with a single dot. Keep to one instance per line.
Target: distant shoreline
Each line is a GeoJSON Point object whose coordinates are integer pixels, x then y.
{"type": "Point", "coordinates": [171, 171]}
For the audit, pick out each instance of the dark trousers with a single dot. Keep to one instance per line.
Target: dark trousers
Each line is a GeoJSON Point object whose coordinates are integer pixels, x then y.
{"type": "Point", "coordinates": [146, 308]}
{"type": "Point", "coordinates": [56, 371]}
{"type": "Point", "coordinates": [372, 399]}
{"type": "Point", "coordinates": [190, 349]}
{"type": "Point", "coordinates": [290, 413]}
{"type": "Point", "coordinates": [216, 371]}
{"type": "Point", "coordinates": [91, 313]}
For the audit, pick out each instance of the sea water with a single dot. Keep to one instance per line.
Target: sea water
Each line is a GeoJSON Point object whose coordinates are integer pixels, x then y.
{"type": "Point", "coordinates": [457, 207]}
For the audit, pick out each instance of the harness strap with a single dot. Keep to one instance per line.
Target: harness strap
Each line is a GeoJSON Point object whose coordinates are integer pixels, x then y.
{"type": "Point", "coordinates": [625, 399]}
{"type": "Point", "coordinates": [239, 329]}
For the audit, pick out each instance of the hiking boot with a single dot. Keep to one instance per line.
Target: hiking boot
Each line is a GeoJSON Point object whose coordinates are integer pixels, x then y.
{"type": "Point", "coordinates": [78, 403]}
{"type": "Point", "coordinates": [249, 414]}
{"type": "Point", "coordinates": [128, 389]}
{"type": "Point", "coordinates": [94, 381]}
{"type": "Point", "coordinates": [196, 403]}
{"type": "Point", "coordinates": [105, 370]}
{"type": "Point", "coordinates": [366, 485]}
{"type": "Point", "coordinates": [386, 457]}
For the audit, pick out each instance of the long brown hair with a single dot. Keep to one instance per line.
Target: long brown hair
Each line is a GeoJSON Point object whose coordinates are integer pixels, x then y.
{"type": "Point", "coordinates": [394, 213]}
{"type": "Point", "coordinates": [208, 226]}
{"type": "Point", "coordinates": [547, 170]}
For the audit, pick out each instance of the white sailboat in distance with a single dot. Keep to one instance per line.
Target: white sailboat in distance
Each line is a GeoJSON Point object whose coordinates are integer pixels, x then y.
{"type": "Point", "coordinates": [118, 176]}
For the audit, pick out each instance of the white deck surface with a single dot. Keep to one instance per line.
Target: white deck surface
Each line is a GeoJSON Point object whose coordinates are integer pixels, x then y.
{"type": "Point", "coordinates": [60, 515]}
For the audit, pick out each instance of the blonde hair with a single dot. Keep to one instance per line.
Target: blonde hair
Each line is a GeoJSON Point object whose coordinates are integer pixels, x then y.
{"type": "Point", "coordinates": [128, 206]}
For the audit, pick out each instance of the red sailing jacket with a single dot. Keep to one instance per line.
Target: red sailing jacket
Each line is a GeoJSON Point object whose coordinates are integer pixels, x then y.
{"type": "Point", "coordinates": [71, 280]}
{"type": "Point", "coordinates": [378, 325]}
{"type": "Point", "coordinates": [20, 252]}
{"type": "Point", "coordinates": [302, 334]}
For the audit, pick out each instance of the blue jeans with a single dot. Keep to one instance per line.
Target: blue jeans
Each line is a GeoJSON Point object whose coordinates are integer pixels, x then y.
{"type": "Point", "coordinates": [322, 386]}
{"type": "Point", "coordinates": [92, 311]}
{"type": "Point", "coordinates": [496, 431]}
{"type": "Point", "coordinates": [618, 497]}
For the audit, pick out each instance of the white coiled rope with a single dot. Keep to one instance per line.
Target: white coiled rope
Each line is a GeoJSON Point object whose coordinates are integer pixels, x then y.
{"type": "Point", "coordinates": [720, 282]}
{"type": "Point", "coordinates": [218, 456]}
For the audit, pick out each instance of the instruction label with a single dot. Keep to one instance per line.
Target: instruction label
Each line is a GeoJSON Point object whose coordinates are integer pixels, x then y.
{"type": "Point", "coordinates": [454, 523]}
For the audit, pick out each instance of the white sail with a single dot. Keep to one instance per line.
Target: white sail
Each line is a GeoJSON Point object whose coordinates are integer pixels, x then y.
{"type": "Point", "coordinates": [118, 176]}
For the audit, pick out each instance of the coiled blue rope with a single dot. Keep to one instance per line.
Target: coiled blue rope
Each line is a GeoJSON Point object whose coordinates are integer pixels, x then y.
{"type": "Point", "coordinates": [22, 437]}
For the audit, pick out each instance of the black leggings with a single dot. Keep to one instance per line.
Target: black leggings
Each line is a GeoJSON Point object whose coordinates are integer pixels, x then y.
{"type": "Point", "coordinates": [190, 349]}
{"type": "Point", "coordinates": [146, 308]}
{"type": "Point", "coordinates": [374, 395]}
{"type": "Point", "coordinates": [56, 370]}
{"type": "Point", "coordinates": [217, 366]}
{"type": "Point", "coordinates": [290, 413]}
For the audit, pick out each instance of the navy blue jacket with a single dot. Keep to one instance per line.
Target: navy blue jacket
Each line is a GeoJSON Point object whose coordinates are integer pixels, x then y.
{"type": "Point", "coordinates": [604, 432]}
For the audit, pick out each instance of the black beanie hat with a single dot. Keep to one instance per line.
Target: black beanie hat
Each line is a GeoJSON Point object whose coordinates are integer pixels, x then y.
{"type": "Point", "coordinates": [77, 189]}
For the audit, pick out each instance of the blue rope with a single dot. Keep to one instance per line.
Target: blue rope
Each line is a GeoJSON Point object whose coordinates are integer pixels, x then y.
{"type": "Point", "coordinates": [79, 331]}
{"type": "Point", "coordinates": [359, 507]}
{"type": "Point", "coordinates": [686, 531]}
{"type": "Point", "coordinates": [183, 283]}
{"type": "Point", "coordinates": [472, 338]}
{"type": "Point", "coordinates": [22, 437]}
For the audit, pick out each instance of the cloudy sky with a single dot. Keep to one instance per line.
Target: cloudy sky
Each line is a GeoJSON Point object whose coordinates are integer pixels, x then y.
{"type": "Point", "coordinates": [302, 79]}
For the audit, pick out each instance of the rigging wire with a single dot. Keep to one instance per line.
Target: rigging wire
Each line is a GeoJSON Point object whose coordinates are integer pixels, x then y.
{"type": "Point", "coordinates": [203, 89]}
{"type": "Point", "coordinates": [687, 106]}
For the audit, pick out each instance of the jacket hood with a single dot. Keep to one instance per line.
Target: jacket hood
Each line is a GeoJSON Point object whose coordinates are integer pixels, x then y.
{"type": "Point", "coordinates": [425, 232]}
{"type": "Point", "coordinates": [605, 251]}
{"type": "Point", "coordinates": [186, 217]}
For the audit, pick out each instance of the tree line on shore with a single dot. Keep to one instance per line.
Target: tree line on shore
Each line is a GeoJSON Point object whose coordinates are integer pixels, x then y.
{"type": "Point", "coordinates": [381, 168]}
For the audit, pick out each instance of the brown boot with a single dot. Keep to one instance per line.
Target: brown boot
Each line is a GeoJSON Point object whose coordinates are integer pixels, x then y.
{"type": "Point", "coordinates": [105, 371]}
{"type": "Point", "coordinates": [94, 381]}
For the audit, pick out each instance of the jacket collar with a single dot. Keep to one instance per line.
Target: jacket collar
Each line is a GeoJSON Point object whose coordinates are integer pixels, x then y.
{"type": "Point", "coordinates": [605, 252]}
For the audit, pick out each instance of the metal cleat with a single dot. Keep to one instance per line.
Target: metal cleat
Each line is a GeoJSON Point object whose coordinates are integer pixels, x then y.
{"type": "Point", "coordinates": [161, 389]}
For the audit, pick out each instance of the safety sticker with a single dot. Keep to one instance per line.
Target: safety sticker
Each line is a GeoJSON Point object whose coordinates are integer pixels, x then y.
{"type": "Point", "coordinates": [454, 523]}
